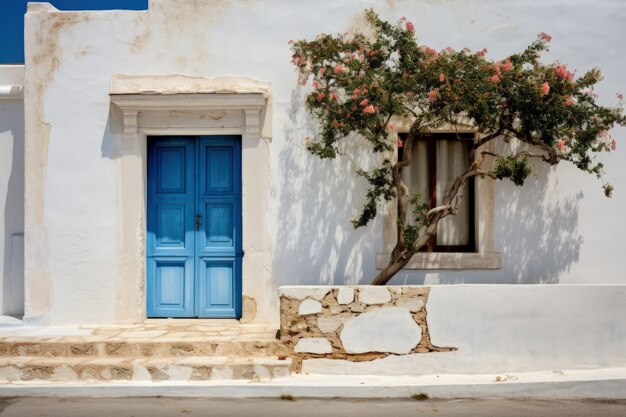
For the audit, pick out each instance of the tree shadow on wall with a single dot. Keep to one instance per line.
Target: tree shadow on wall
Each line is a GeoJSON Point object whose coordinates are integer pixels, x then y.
{"type": "Point", "coordinates": [537, 235]}
{"type": "Point", "coordinates": [315, 242]}
{"type": "Point", "coordinates": [535, 230]}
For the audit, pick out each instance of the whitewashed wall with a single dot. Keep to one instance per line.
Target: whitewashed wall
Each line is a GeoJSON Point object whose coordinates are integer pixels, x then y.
{"type": "Point", "coordinates": [558, 229]}
{"type": "Point", "coordinates": [11, 192]}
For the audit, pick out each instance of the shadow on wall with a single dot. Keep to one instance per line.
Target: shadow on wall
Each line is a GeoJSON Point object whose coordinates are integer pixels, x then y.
{"type": "Point", "coordinates": [13, 272]}
{"type": "Point", "coordinates": [537, 236]}
{"type": "Point", "coordinates": [536, 233]}
{"type": "Point", "coordinates": [314, 241]}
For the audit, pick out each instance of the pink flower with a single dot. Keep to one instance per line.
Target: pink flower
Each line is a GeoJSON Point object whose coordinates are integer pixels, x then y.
{"type": "Point", "coordinates": [432, 95]}
{"type": "Point", "coordinates": [410, 27]}
{"type": "Point", "coordinates": [315, 85]}
{"type": "Point", "coordinates": [545, 89]}
{"type": "Point", "coordinates": [320, 96]}
{"type": "Point", "coordinates": [430, 51]}
{"type": "Point", "coordinates": [400, 143]}
{"type": "Point", "coordinates": [482, 52]}
{"type": "Point", "coordinates": [543, 36]}
{"type": "Point", "coordinates": [441, 77]}
{"type": "Point", "coordinates": [496, 68]}
{"type": "Point", "coordinates": [322, 71]}
{"type": "Point", "coordinates": [561, 71]}
{"type": "Point", "coordinates": [331, 95]}
{"type": "Point", "coordinates": [561, 145]}
{"type": "Point", "coordinates": [620, 96]}
{"type": "Point", "coordinates": [364, 102]}
{"type": "Point", "coordinates": [613, 145]}
{"type": "Point", "coordinates": [369, 109]}
{"type": "Point", "coordinates": [568, 101]}
{"type": "Point", "coordinates": [494, 79]}
{"type": "Point", "coordinates": [338, 68]}
{"type": "Point", "coordinates": [403, 19]}
{"type": "Point", "coordinates": [507, 66]}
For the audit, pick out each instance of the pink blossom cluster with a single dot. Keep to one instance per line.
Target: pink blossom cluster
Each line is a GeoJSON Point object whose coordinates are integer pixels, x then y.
{"type": "Point", "coordinates": [498, 67]}
{"type": "Point", "coordinates": [298, 60]}
{"type": "Point", "coordinates": [369, 109]}
{"type": "Point", "coordinates": [507, 66]}
{"type": "Point", "coordinates": [568, 100]}
{"type": "Point", "coordinates": [563, 72]}
{"type": "Point", "coordinates": [407, 24]}
{"type": "Point", "coordinates": [544, 89]}
{"type": "Point", "coordinates": [432, 95]}
{"type": "Point", "coordinates": [430, 51]}
{"type": "Point", "coordinates": [543, 36]}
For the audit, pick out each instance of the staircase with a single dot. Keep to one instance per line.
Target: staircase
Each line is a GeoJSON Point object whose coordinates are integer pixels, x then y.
{"type": "Point", "coordinates": [159, 350]}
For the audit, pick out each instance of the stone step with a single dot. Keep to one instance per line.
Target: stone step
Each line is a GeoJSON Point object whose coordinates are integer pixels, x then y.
{"type": "Point", "coordinates": [198, 368]}
{"type": "Point", "coordinates": [142, 348]}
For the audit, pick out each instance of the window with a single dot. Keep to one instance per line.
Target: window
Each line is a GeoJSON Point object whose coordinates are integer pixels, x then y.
{"type": "Point", "coordinates": [436, 161]}
{"type": "Point", "coordinates": [465, 240]}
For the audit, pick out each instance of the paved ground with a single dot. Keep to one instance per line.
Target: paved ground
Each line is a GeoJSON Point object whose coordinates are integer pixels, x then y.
{"type": "Point", "coordinates": [154, 330]}
{"type": "Point", "coordinates": [158, 407]}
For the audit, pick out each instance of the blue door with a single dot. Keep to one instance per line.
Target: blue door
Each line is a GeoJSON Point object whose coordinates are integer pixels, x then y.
{"type": "Point", "coordinates": [194, 227]}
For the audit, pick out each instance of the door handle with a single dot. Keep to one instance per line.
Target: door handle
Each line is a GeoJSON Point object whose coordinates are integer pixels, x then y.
{"type": "Point", "coordinates": [198, 221]}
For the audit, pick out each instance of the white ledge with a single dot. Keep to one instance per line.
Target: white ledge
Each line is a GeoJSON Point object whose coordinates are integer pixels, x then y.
{"type": "Point", "coordinates": [183, 84]}
{"type": "Point", "coordinates": [11, 92]}
{"type": "Point", "coordinates": [446, 260]}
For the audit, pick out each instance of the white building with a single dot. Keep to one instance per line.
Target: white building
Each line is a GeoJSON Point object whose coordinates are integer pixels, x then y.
{"type": "Point", "coordinates": [100, 88]}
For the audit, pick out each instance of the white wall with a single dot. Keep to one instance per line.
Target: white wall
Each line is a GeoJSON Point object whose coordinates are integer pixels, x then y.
{"type": "Point", "coordinates": [11, 194]}
{"type": "Point", "coordinates": [508, 329]}
{"type": "Point", "coordinates": [558, 229]}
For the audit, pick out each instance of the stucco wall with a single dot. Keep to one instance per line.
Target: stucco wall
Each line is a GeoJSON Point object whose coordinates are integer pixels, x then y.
{"type": "Point", "coordinates": [507, 329]}
{"type": "Point", "coordinates": [11, 192]}
{"type": "Point", "coordinates": [558, 229]}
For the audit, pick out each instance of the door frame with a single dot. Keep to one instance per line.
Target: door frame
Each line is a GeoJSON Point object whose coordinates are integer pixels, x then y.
{"type": "Point", "coordinates": [247, 114]}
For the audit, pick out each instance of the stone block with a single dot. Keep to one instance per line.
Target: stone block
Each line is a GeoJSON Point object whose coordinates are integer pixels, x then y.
{"type": "Point", "coordinates": [317, 345]}
{"type": "Point", "coordinates": [328, 324]}
{"type": "Point", "coordinates": [357, 307]}
{"type": "Point", "coordinates": [309, 306]}
{"type": "Point", "coordinates": [412, 304]}
{"type": "Point", "coordinates": [374, 295]}
{"type": "Point", "coordinates": [300, 293]}
{"type": "Point", "coordinates": [388, 329]}
{"type": "Point", "coordinates": [345, 295]}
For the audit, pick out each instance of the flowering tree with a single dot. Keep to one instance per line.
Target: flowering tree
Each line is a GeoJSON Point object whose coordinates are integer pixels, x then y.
{"type": "Point", "coordinates": [363, 84]}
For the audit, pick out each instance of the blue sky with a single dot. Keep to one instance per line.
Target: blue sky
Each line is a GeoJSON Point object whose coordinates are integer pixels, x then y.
{"type": "Point", "coordinates": [12, 26]}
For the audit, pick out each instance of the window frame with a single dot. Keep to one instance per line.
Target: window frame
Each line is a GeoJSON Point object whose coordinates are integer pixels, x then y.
{"type": "Point", "coordinates": [484, 256]}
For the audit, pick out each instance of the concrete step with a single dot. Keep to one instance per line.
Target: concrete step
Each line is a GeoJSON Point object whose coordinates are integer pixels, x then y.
{"type": "Point", "coordinates": [89, 368]}
{"type": "Point", "coordinates": [140, 348]}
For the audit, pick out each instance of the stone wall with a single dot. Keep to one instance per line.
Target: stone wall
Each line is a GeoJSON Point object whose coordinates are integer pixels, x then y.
{"type": "Point", "coordinates": [357, 323]}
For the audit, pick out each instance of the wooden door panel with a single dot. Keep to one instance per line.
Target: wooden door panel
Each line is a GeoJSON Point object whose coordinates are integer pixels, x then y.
{"type": "Point", "coordinates": [170, 223]}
